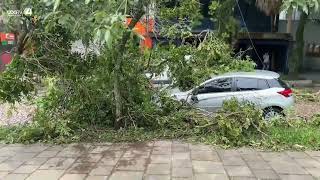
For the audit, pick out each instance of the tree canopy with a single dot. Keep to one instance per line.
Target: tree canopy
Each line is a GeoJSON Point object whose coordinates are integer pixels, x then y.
{"type": "Point", "coordinates": [108, 85]}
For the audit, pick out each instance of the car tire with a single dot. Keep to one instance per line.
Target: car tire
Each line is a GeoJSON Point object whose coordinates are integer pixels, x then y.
{"type": "Point", "coordinates": [272, 112]}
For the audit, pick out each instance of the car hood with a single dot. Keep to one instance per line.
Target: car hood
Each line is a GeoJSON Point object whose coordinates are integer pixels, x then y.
{"type": "Point", "coordinates": [176, 93]}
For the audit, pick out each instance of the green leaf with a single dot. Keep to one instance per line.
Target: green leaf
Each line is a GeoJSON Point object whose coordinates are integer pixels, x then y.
{"type": "Point", "coordinates": [56, 5]}
{"type": "Point", "coordinates": [87, 1]}
{"type": "Point", "coordinates": [108, 38]}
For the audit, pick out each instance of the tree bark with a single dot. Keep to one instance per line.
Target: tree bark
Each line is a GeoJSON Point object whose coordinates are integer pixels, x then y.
{"type": "Point", "coordinates": [289, 23]}
{"type": "Point", "coordinates": [117, 67]}
{"type": "Point", "coordinates": [298, 52]}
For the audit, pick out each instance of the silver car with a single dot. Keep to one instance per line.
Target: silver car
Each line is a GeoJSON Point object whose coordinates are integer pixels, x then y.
{"type": "Point", "coordinates": [263, 88]}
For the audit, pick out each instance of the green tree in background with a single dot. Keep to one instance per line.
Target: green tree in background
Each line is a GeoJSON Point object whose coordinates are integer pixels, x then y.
{"type": "Point", "coordinates": [306, 7]}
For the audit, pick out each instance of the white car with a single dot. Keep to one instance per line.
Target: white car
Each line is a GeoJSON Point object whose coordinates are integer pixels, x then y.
{"type": "Point", "coordinates": [263, 88]}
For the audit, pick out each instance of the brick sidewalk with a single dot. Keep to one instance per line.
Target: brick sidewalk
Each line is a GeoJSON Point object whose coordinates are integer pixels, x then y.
{"type": "Point", "coordinates": [160, 160]}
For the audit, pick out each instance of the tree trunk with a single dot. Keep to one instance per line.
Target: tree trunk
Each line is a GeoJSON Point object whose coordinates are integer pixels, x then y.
{"type": "Point", "coordinates": [117, 67]}
{"type": "Point", "coordinates": [289, 23]}
{"type": "Point", "coordinates": [298, 52]}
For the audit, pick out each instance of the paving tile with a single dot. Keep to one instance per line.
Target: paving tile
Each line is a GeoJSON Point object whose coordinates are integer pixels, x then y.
{"type": "Point", "coordinates": [314, 172]}
{"type": "Point", "coordinates": [48, 154]}
{"type": "Point", "coordinates": [180, 156]}
{"type": "Point", "coordinates": [232, 161]}
{"type": "Point", "coordinates": [265, 174]}
{"type": "Point", "coordinates": [251, 157]}
{"type": "Point", "coordinates": [245, 178]}
{"type": "Point", "coordinates": [158, 169]}
{"type": "Point", "coordinates": [73, 177]}
{"type": "Point", "coordinates": [22, 157]}
{"type": "Point", "coordinates": [101, 171]}
{"type": "Point", "coordinates": [296, 177]}
{"type": "Point", "coordinates": [132, 164]}
{"type": "Point", "coordinates": [112, 154]}
{"type": "Point", "coordinates": [180, 178]}
{"type": "Point", "coordinates": [3, 158]}
{"type": "Point", "coordinates": [126, 175]}
{"type": "Point", "coordinates": [258, 165]}
{"type": "Point", "coordinates": [81, 168]}
{"type": "Point", "coordinates": [182, 172]}
{"type": "Point", "coordinates": [283, 167]}
{"type": "Point", "coordinates": [56, 148]}
{"type": "Point", "coordinates": [118, 147]}
{"type": "Point", "coordinates": [36, 161]}
{"type": "Point", "coordinates": [3, 174]}
{"type": "Point", "coordinates": [46, 175]}
{"type": "Point", "coordinates": [180, 147]}
{"type": "Point", "coordinates": [16, 177]}
{"type": "Point", "coordinates": [109, 161]}
{"type": "Point", "coordinates": [157, 177]}
{"type": "Point", "coordinates": [228, 153]}
{"type": "Point", "coordinates": [26, 169]}
{"type": "Point", "coordinates": [58, 163]}
{"type": "Point", "coordinates": [205, 156]}
{"type": "Point", "coordinates": [35, 148]}
{"type": "Point", "coordinates": [310, 163]}
{"type": "Point", "coordinates": [160, 158]}
{"type": "Point", "coordinates": [97, 178]}
{"type": "Point", "coordinates": [247, 151]}
{"type": "Point", "coordinates": [100, 149]}
{"type": "Point", "coordinates": [163, 143]}
{"type": "Point", "coordinates": [137, 154]}
{"type": "Point", "coordinates": [9, 151]}
{"type": "Point", "coordinates": [276, 156]}
{"type": "Point", "coordinates": [211, 177]}
{"type": "Point", "coordinates": [9, 165]}
{"type": "Point", "coordinates": [238, 171]}
{"type": "Point", "coordinates": [181, 163]}
{"type": "Point", "coordinates": [102, 144]}
{"type": "Point", "coordinates": [89, 158]}
{"type": "Point", "coordinates": [69, 154]}
{"type": "Point", "coordinates": [313, 153]}
{"type": "Point", "coordinates": [200, 147]}
{"type": "Point", "coordinates": [161, 151]}
{"type": "Point", "coordinates": [298, 155]}
{"type": "Point", "coordinates": [208, 167]}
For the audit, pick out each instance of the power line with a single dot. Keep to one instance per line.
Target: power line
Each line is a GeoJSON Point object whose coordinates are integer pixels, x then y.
{"type": "Point", "coordinates": [246, 27]}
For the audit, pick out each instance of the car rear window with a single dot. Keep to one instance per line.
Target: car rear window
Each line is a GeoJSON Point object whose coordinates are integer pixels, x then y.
{"type": "Point", "coordinates": [277, 83]}
{"type": "Point", "coordinates": [250, 84]}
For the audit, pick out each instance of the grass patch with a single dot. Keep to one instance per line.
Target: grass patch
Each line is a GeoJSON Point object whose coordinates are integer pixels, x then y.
{"type": "Point", "coordinates": [290, 138]}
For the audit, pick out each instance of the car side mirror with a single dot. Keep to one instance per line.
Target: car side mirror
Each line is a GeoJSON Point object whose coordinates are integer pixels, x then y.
{"type": "Point", "coordinates": [195, 91]}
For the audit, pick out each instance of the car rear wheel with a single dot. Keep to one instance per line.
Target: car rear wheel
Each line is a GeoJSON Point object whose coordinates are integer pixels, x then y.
{"type": "Point", "coordinates": [272, 112]}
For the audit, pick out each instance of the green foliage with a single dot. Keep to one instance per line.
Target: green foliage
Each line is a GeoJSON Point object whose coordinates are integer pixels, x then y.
{"type": "Point", "coordinates": [306, 6]}
{"type": "Point", "coordinates": [87, 91]}
{"type": "Point", "coordinates": [190, 65]}
{"type": "Point", "coordinates": [223, 14]}
{"type": "Point", "coordinates": [238, 122]}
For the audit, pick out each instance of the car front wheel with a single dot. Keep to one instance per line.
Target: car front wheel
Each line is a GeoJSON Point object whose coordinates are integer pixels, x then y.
{"type": "Point", "coordinates": [272, 112]}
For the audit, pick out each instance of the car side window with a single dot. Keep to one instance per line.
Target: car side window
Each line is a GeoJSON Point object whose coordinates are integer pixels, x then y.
{"type": "Point", "coordinates": [262, 84]}
{"type": "Point", "coordinates": [215, 86]}
{"type": "Point", "coordinates": [251, 84]}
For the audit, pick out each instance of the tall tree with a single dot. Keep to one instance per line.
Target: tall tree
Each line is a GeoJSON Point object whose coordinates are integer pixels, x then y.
{"type": "Point", "coordinates": [271, 8]}
{"type": "Point", "coordinates": [106, 82]}
{"type": "Point", "coordinates": [305, 7]}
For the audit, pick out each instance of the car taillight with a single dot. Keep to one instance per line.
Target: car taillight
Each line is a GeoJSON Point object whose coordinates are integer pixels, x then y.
{"type": "Point", "coordinates": [286, 92]}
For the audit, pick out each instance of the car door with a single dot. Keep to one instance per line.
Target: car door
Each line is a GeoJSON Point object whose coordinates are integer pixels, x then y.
{"type": "Point", "coordinates": [211, 95]}
{"type": "Point", "coordinates": [251, 90]}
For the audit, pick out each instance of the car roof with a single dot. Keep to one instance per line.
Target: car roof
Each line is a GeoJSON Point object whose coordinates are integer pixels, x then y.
{"type": "Point", "coordinates": [254, 74]}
